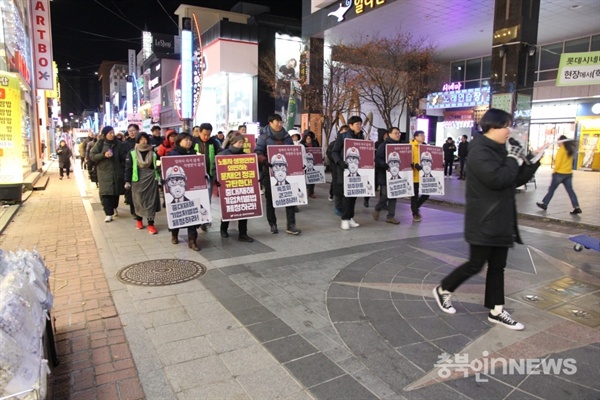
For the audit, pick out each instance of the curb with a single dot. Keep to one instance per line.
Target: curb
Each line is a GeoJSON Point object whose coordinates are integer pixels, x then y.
{"type": "Point", "coordinates": [527, 216]}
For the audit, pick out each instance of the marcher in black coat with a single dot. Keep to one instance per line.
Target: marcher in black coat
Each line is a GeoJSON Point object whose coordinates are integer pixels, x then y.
{"type": "Point", "coordinates": [381, 167]}
{"type": "Point", "coordinates": [64, 158]}
{"type": "Point", "coordinates": [449, 148]}
{"type": "Point", "coordinates": [490, 214]}
{"type": "Point", "coordinates": [348, 203]}
{"type": "Point", "coordinates": [183, 147]}
{"type": "Point", "coordinates": [109, 155]}
{"type": "Point", "coordinates": [463, 150]}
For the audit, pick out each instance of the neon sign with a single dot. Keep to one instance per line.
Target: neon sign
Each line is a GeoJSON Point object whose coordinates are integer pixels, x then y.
{"type": "Point", "coordinates": [451, 86]}
{"type": "Point", "coordinates": [359, 5]}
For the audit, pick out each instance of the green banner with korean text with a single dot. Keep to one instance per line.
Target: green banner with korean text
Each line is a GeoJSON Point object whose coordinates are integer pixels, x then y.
{"type": "Point", "coordinates": [579, 69]}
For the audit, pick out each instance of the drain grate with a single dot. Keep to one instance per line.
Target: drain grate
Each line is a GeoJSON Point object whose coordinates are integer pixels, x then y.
{"type": "Point", "coordinates": [161, 272]}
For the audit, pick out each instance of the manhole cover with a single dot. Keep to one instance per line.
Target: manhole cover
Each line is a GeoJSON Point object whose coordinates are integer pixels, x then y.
{"type": "Point", "coordinates": [161, 272]}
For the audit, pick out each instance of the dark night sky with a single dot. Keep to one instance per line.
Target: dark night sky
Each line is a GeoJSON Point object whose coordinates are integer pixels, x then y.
{"type": "Point", "coordinates": [85, 32]}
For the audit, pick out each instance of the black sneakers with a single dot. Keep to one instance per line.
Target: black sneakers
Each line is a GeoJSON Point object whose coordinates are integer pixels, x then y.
{"type": "Point", "coordinates": [542, 206]}
{"type": "Point", "coordinates": [443, 300]}
{"type": "Point", "coordinates": [576, 211]}
{"type": "Point", "coordinates": [505, 320]}
{"type": "Point", "coordinates": [292, 230]}
{"type": "Point", "coordinates": [274, 229]}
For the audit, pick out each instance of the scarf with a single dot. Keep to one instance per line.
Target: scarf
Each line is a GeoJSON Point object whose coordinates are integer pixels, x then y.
{"type": "Point", "coordinates": [144, 157]}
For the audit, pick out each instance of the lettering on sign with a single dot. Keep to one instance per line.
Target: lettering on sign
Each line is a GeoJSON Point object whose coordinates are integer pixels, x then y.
{"type": "Point", "coordinates": [42, 45]}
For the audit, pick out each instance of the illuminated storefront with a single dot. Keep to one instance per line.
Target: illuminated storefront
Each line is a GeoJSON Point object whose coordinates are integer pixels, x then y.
{"type": "Point", "coordinates": [19, 144]}
{"type": "Point", "coordinates": [460, 108]}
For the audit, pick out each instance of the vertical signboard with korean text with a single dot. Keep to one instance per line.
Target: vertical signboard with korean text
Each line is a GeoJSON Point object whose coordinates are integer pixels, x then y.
{"type": "Point", "coordinates": [186, 190]}
{"type": "Point", "coordinates": [359, 178]}
{"type": "Point", "coordinates": [399, 173]}
{"type": "Point", "coordinates": [288, 186]}
{"type": "Point", "coordinates": [239, 188]}
{"type": "Point", "coordinates": [431, 174]}
{"type": "Point", "coordinates": [315, 168]}
{"type": "Point", "coordinates": [11, 142]}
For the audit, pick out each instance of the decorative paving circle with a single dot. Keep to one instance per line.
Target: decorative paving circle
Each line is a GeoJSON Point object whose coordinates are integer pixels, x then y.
{"type": "Point", "coordinates": [161, 272]}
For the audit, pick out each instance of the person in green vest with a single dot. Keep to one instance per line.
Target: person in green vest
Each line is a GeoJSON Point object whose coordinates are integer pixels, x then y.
{"type": "Point", "coordinates": [210, 147]}
{"type": "Point", "coordinates": [142, 177]}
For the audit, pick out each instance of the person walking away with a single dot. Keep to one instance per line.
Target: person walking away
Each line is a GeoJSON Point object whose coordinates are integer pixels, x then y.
{"type": "Point", "coordinates": [463, 150]}
{"type": "Point", "coordinates": [183, 147]}
{"type": "Point", "coordinates": [381, 166]}
{"type": "Point", "coordinates": [64, 158]}
{"type": "Point", "coordinates": [563, 174]}
{"type": "Point", "coordinates": [449, 148]}
{"type": "Point", "coordinates": [236, 146]}
{"type": "Point", "coordinates": [142, 177]}
{"type": "Point", "coordinates": [109, 155]}
{"type": "Point", "coordinates": [309, 140]}
{"type": "Point", "coordinates": [348, 203]}
{"type": "Point", "coordinates": [274, 134]}
{"type": "Point", "coordinates": [82, 146]}
{"type": "Point", "coordinates": [417, 200]}
{"type": "Point", "coordinates": [490, 214]}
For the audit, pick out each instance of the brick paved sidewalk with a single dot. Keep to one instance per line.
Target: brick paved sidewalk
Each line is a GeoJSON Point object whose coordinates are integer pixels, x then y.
{"type": "Point", "coordinates": [95, 360]}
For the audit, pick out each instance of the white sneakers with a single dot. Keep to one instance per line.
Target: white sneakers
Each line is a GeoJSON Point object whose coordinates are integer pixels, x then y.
{"type": "Point", "coordinates": [349, 223]}
{"type": "Point", "coordinates": [108, 218]}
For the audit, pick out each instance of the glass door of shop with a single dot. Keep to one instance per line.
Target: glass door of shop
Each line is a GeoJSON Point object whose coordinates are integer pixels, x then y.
{"type": "Point", "coordinates": [540, 134]}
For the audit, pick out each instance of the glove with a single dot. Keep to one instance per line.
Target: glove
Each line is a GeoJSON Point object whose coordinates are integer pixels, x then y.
{"type": "Point", "coordinates": [343, 164]}
{"type": "Point", "coordinates": [218, 183]}
{"type": "Point", "coordinates": [127, 185]}
{"type": "Point", "coordinates": [387, 166]}
{"type": "Point", "coordinates": [515, 150]}
{"type": "Point", "coordinates": [269, 164]}
{"type": "Point", "coordinates": [417, 166]}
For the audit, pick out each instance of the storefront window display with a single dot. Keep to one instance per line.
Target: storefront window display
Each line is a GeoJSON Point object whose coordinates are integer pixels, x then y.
{"type": "Point", "coordinates": [226, 101]}
{"type": "Point", "coordinates": [540, 134]}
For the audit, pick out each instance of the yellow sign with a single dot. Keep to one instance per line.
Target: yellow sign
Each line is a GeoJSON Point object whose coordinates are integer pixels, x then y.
{"type": "Point", "coordinates": [359, 5]}
{"type": "Point", "coordinates": [11, 141]}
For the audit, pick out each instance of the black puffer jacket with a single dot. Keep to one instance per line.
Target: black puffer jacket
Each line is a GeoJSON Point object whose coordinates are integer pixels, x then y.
{"type": "Point", "coordinates": [337, 154]}
{"type": "Point", "coordinates": [110, 170]}
{"type": "Point", "coordinates": [381, 161]}
{"type": "Point", "coordinates": [491, 213]}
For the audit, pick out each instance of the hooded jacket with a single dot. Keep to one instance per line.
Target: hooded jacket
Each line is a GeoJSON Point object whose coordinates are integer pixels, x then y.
{"type": "Point", "coordinates": [491, 212]}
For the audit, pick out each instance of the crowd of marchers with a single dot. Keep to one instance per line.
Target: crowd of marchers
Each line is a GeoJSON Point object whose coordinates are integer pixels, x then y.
{"type": "Point", "coordinates": [492, 164]}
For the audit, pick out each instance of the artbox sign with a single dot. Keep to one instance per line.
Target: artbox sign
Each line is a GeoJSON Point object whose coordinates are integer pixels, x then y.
{"type": "Point", "coordinates": [42, 44]}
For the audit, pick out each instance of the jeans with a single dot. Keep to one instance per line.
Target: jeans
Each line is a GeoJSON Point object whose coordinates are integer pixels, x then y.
{"type": "Point", "coordinates": [565, 179]}
{"type": "Point", "coordinates": [385, 201]}
{"type": "Point", "coordinates": [494, 280]}
{"type": "Point", "coordinates": [463, 161]}
{"type": "Point", "coordinates": [448, 167]}
{"type": "Point", "coordinates": [417, 201]}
